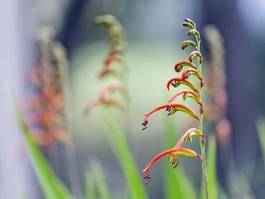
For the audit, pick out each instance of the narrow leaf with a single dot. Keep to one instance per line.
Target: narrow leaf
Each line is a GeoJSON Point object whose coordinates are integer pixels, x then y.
{"type": "Point", "coordinates": [100, 180]}
{"type": "Point", "coordinates": [123, 153]}
{"type": "Point", "coordinates": [50, 184]}
{"type": "Point", "coordinates": [90, 187]}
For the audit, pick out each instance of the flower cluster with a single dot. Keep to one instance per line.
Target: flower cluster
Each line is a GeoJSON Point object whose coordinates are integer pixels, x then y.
{"type": "Point", "coordinates": [45, 106]}
{"type": "Point", "coordinates": [113, 65]}
{"type": "Point", "coordinates": [216, 85]}
{"type": "Point", "coordinates": [186, 69]}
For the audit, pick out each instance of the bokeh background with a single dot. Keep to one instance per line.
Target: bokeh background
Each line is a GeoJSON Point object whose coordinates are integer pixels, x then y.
{"type": "Point", "coordinates": [154, 32]}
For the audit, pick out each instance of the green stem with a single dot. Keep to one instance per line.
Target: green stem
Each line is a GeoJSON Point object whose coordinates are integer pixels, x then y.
{"type": "Point", "coordinates": [203, 141]}
{"type": "Point", "coordinates": [204, 163]}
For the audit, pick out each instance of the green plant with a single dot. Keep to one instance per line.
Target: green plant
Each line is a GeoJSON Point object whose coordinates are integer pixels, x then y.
{"type": "Point", "coordinates": [50, 184]}
{"type": "Point", "coordinates": [114, 94]}
{"type": "Point", "coordinates": [194, 65]}
{"type": "Point", "coordinates": [96, 183]}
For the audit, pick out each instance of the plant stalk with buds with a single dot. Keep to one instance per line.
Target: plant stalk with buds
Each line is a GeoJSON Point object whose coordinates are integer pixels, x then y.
{"type": "Point", "coordinates": [190, 67]}
{"type": "Point", "coordinates": [113, 65]}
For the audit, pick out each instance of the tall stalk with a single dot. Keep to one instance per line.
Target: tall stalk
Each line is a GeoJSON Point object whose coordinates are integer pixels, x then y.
{"type": "Point", "coordinates": [193, 66]}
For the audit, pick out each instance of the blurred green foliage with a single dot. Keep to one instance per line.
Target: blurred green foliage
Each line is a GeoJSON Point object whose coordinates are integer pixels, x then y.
{"type": "Point", "coordinates": [50, 184]}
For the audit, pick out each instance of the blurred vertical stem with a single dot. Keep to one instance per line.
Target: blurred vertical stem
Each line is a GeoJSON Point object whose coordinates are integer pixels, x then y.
{"type": "Point", "coordinates": [211, 166]}
{"type": "Point", "coordinates": [90, 188]}
{"type": "Point", "coordinates": [122, 151]}
{"type": "Point", "coordinates": [203, 141]}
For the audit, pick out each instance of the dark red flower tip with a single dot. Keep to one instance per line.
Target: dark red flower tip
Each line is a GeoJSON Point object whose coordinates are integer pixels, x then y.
{"type": "Point", "coordinates": [146, 178]}
{"type": "Point", "coordinates": [149, 113]}
{"type": "Point", "coordinates": [175, 163]}
{"type": "Point", "coordinates": [144, 124]}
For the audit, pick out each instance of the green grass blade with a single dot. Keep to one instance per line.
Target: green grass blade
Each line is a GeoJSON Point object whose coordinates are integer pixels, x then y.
{"type": "Point", "coordinates": [211, 164]}
{"type": "Point", "coordinates": [50, 184]}
{"type": "Point", "coordinates": [125, 157]}
{"type": "Point", "coordinates": [261, 134]}
{"type": "Point", "coordinates": [100, 180]}
{"type": "Point", "coordinates": [177, 184]}
{"type": "Point", "coordinates": [90, 187]}
{"type": "Point", "coordinates": [222, 193]}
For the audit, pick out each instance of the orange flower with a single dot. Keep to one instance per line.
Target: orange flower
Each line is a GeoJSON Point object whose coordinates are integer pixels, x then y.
{"type": "Point", "coordinates": [175, 151]}
{"type": "Point", "coordinates": [176, 82]}
{"type": "Point", "coordinates": [171, 109]}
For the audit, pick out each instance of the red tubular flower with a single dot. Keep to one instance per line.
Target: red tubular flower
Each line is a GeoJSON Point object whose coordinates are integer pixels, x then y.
{"type": "Point", "coordinates": [171, 109]}
{"type": "Point", "coordinates": [175, 151]}
{"type": "Point", "coordinates": [180, 65]}
{"type": "Point", "coordinates": [175, 82]}
{"type": "Point", "coordinates": [186, 74]}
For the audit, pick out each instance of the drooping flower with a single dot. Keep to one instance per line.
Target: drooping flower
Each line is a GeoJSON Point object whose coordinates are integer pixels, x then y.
{"type": "Point", "coordinates": [104, 97]}
{"type": "Point", "coordinates": [175, 151]}
{"type": "Point", "coordinates": [171, 109]}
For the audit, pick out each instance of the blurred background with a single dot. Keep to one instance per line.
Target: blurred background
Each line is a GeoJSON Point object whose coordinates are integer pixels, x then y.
{"type": "Point", "coordinates": [153, 30]}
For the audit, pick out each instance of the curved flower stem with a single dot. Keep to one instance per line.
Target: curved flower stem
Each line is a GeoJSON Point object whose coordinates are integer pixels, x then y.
{"type": "Point", "coordinates": [203, 141]}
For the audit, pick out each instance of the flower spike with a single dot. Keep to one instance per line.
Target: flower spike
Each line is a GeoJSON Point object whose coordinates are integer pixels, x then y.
{"type": "Point", "coordinates": [115, 55]}
{"type": "Point", "coordinates": [191, 66]}
{"type": "Point", "coordinates": [116, 41]}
